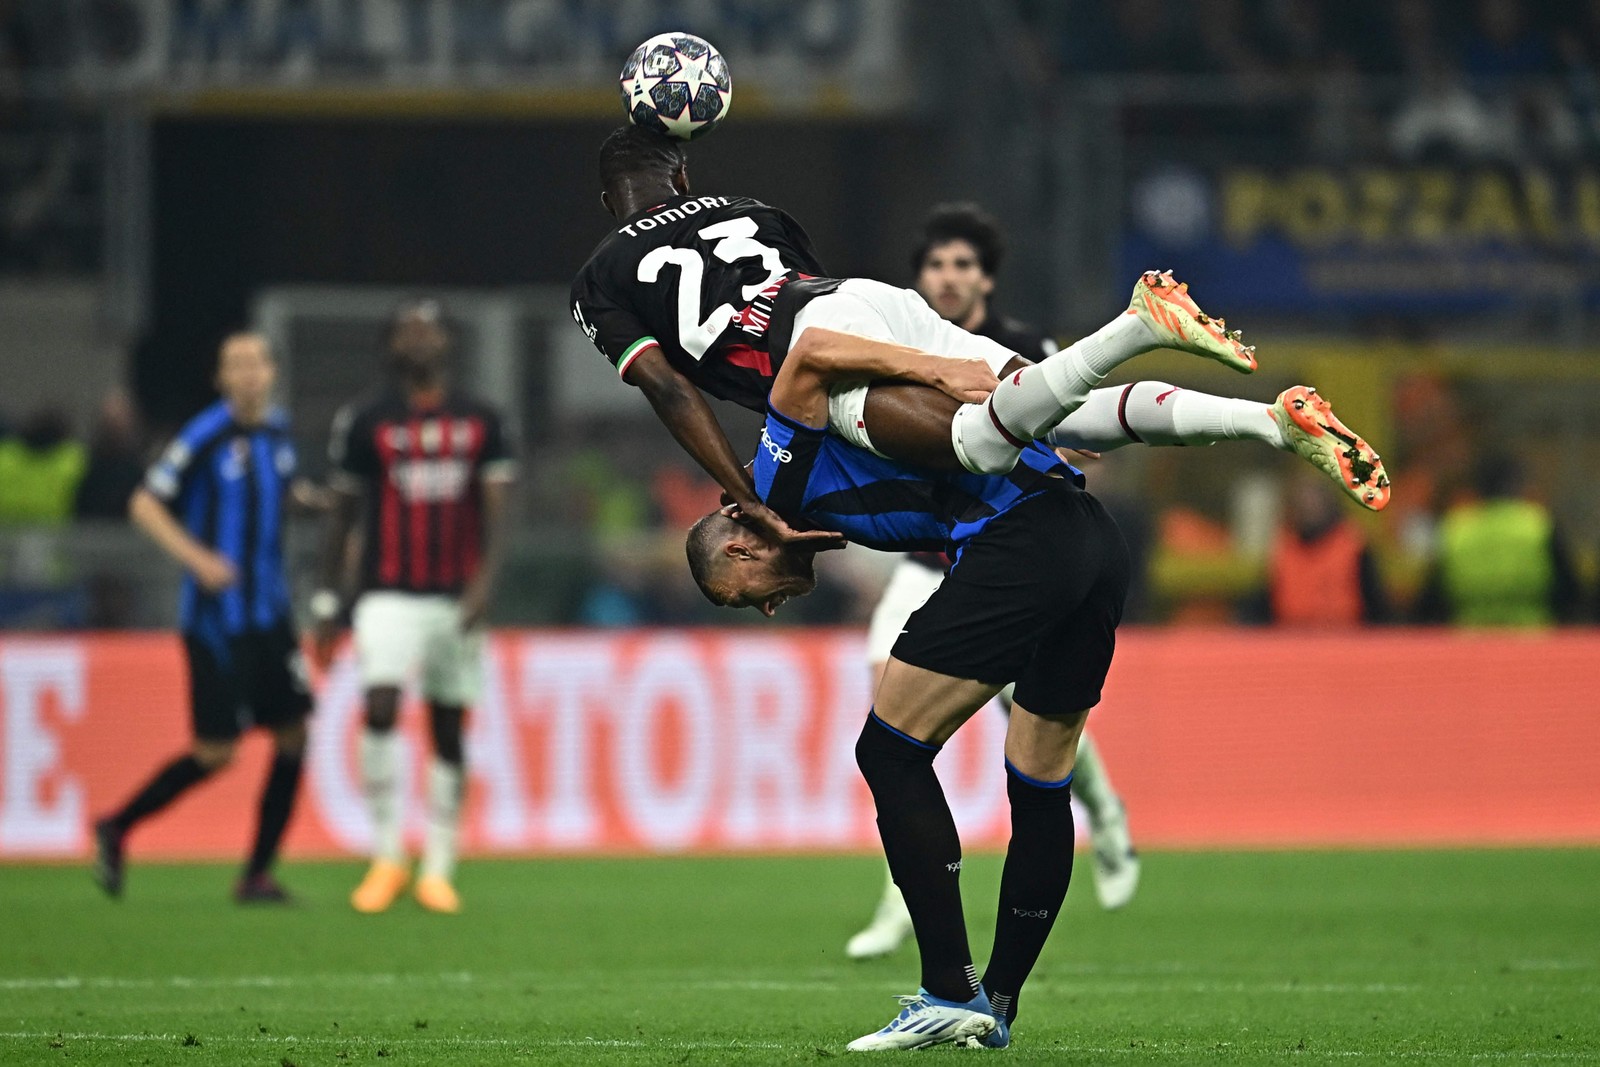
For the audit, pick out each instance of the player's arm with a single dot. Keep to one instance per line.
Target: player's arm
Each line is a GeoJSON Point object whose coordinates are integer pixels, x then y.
{"type": "Point", "coordinates": [342, 513]}
{"type": "Point", "coordinates": [820, 358]}
{"type": "Point", "coordinates": [684, 411]}
{"type": "Point", "coordinates": [353, 465]}
{"type": "Point", "coordinates": [496, 474]}
{"type": "Point", "coordinates": [210, 568]}
{"type": "Point", "coordinates": [476, 596]}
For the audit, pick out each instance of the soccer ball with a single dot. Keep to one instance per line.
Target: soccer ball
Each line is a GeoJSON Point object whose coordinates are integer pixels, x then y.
{"type": "Point", "coordinates": [676, 84]}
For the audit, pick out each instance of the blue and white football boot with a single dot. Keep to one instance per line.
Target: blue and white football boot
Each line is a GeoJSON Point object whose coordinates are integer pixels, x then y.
{"type": "Point", "coordinates": [926, 1020]}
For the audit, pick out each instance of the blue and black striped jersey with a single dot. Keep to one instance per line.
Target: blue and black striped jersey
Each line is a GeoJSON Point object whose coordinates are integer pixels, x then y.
{"type": "Point", "coordinates": [228, 484]}
{"type": "Point", "coordinates": [808, 474]}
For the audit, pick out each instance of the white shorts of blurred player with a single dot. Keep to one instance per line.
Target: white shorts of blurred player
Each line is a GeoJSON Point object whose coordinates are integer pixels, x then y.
{"type": "Point", "coordinates": [885, 313]}
{"type": "Point", "coordinates": [910, 585]}
{"type": "Point", "coordinates": [399, 635]}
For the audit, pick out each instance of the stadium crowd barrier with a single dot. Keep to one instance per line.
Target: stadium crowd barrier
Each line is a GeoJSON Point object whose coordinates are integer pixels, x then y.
{"type": "Point", "coordinates": [728, 741]}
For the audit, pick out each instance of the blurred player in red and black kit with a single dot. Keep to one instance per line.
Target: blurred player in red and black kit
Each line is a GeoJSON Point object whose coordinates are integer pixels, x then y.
{"type": "Point", "coordinates": [434, 470]}
{"type": "Point", "coordinates": [955, 264]}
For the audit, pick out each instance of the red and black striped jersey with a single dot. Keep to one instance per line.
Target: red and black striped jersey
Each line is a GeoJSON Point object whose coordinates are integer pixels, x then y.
{"type": "Point", "coordinates": [422, 472]}
{"type": "Point", "coordinates": [695, 276]}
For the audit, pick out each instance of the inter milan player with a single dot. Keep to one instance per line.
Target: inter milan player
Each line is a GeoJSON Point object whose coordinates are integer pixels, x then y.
{"type": "Point", "coordinates": [215, 502]}
{"type": "Point", "coordinates": [692, 293]}
{"type": "Point", "coordinates": [1034, 597]}
{"type": "Point", "coordinates": [955, 263]}
{"type": "Point", "coordinates": [434, 469]}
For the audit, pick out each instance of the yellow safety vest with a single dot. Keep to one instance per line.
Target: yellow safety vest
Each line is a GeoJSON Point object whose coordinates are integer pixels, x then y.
{"type": "Point", "coordinates": [1496, 566]}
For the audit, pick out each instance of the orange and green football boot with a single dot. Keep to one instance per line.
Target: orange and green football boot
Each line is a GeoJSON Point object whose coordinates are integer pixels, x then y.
{"type": "Point", "coordinates": [1315, 433]}
{"type": "Point", "coordinates": [1165, 306]}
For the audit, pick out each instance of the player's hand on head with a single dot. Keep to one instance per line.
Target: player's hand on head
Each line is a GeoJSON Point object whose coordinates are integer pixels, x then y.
{"type": "Point", "coordinates": [769, 522]}
{"type": "Point", "coordinates": [967, 380]}
{"type": "Point", "coordinates": [214, 571]}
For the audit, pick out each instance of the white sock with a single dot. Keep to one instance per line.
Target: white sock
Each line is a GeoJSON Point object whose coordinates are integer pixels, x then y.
{"type": "Point", "coordinates": [989, 437]}
{"type": "Point", "coordinates": [1155, 413]}
{"type": "Point", "coordinates": [445, 783]}
{"type": "Point", "coordinates": [380, 781]}
{"type": "Point", "coordinates": [1090, 783]}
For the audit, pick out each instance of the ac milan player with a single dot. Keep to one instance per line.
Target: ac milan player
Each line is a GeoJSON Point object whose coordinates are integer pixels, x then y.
{"type": "Point", "coordinates": [704, 292]}
{"type": "Point", "coordinates": [434, 469]}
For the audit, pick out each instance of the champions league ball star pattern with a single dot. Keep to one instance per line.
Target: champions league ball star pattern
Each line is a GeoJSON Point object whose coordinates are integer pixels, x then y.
{"type": "Point", "coordinates": [676, 84]}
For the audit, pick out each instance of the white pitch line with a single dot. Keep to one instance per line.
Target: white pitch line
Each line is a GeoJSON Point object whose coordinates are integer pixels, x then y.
{"type": "Point", "coordinates": [1121, 983]}
{"type": "Point", "coordinates": [396, 1042]}
{"type": "Point", "coordinates": [1452, 1055]}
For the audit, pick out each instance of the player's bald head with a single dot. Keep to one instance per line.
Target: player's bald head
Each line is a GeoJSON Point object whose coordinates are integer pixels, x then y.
{"type": "Point", "coordinates": [708, 563]}
{"type": "Point", "coordinates": [735, 566]}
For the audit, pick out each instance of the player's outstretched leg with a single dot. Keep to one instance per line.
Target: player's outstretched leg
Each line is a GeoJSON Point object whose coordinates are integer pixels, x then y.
{"type": "Point", "coordinates": [1317, 436]}
{"type": "Point", "coordinates": [987, 438]}
{"type": "Point", "coordinates": [1158, 414]}
{"type": "Point", "coordinates": [889, 928]}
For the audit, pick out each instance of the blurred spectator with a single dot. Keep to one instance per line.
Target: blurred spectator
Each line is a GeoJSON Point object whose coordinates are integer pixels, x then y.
{"type": "Point", "coordinates": [115, 460]}
{"type": "Point", "coordinates": [1501, 561]}
{"type": "Point", "coordinates": [1321, 572]}
{"type": "Point", "coordinates": [40, 469]}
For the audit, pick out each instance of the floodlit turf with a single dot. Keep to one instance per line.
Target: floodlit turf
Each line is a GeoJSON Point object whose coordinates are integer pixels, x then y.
{"type": "Point", "coordinates": [1440, 957]}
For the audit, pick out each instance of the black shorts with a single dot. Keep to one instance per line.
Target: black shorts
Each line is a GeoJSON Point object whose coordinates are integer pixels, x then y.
{"type": "Point", "coordinates": [1035, 598]}
{"type": "Point", "coordinates": [256, 679]}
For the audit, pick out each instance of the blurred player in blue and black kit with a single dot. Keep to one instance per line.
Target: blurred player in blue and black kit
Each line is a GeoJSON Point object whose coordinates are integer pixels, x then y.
{"type": "Point", "coordinates": [955, 264]}
{"type": "Point", "coordinates": [433, 468]}
{"type": "Point", "coordinates": [215, 502]}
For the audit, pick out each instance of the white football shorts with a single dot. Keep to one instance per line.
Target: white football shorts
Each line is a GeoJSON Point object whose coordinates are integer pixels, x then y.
{"type": "Point", "coordinates": [886, 313]}
{"type": "Point", "coordinates": [910, 586]}
{"type": "Point", "coordinates": [399, 635]}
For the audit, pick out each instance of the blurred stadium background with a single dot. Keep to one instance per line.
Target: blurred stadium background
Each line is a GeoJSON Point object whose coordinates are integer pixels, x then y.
{"type": "Point", "coordinates": [1399, 200]}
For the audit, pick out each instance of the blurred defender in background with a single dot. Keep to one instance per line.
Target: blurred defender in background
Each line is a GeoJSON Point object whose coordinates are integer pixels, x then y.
{"type": "Point", "coordinates": [215, 502]}
{"type": "Point", "coordinates": [425, 471]}
{"type": "Point", "coordinates": [955, 264]}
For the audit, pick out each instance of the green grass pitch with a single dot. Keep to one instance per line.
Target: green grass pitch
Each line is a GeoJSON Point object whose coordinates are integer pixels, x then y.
{"type": "Point", "coordinates": [1305, 958]}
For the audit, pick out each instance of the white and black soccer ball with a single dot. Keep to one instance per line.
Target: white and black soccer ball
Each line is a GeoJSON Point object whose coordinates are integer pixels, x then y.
{"type": "Point", "coordinates": [676, 84]}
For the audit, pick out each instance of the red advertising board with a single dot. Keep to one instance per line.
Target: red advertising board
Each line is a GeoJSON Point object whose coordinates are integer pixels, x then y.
{"type": "Point", "coordinates": [669, 741]}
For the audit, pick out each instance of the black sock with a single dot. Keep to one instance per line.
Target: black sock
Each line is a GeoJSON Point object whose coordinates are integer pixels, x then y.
{"type": "Point", "coordinates": [277, 801]}
{"type": "Point", "coordinates": [1038, 869]}
{"type": "Point", "coordinates": [168, 784]}
{"type": "Point", "coordinates": [924, 852]}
